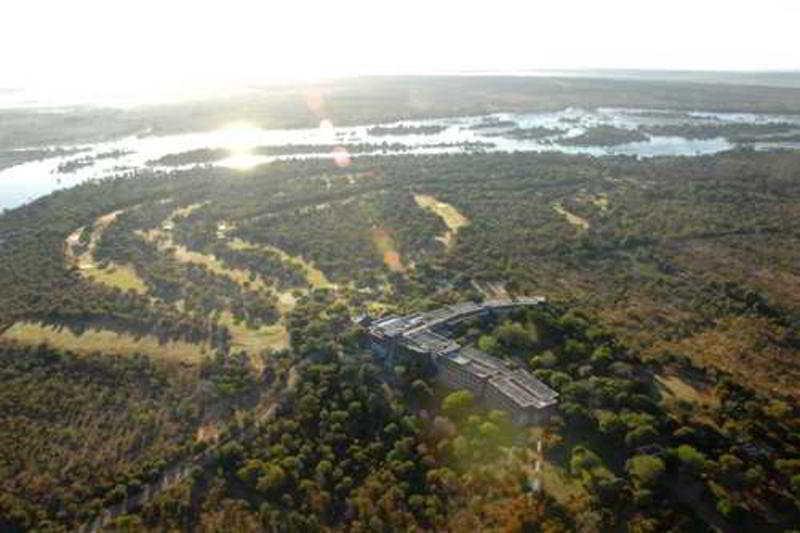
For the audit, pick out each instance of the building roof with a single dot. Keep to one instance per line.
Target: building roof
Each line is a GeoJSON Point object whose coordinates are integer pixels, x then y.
{"type": "Point", "coordinates": [475, 362]}
{"type": "Point", "coordinates": [517, 384]}
{"type": "Point", "coordinates": [533, 384]}
{"type": "Point", "coordinates": [521, 393]}
{"type": "Point", "coordinates": [393, 325]}
{"type": "Point", "coordinates": [430, 341]}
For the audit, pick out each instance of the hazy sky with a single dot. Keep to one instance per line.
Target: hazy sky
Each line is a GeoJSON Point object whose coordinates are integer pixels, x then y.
{"type": "Point", "coordinates": [145, 44]}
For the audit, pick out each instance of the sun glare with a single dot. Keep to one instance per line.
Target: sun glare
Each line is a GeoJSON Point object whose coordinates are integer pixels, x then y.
{"type": "Point", "coordinates": [243, 161]}
{"type": "Point", "coordinates": [240, 138]}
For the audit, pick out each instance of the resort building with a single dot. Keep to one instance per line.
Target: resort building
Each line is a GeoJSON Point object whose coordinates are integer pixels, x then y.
{"type": "Point", "coordinates": [497, 383]}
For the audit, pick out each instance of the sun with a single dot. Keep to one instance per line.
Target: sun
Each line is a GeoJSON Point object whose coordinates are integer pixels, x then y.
{"type": "Point", "coordinates": [240, 138]}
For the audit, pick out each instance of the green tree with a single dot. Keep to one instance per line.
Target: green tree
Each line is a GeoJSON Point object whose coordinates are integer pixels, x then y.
{"type": "Point", "coordinates": [488, 344]}
{"type": "Point", "coordinates": [515, 336]}
{"type": "Point", "coordinates": [273, 478]}
{"type": "Point", "coordinates": [691, 459]}
{"type": "Point", "coordinates": [583, 459]}
{"type": "Point", "coordinates": [546, 359]}
{"type": "Point", "coordinates": [456, 404]}
{"type": "Point", "coordinates": [645, 470]}
{"type": "Point", "coordinates": [794, 482]}
{"type": "Point", "coordinates": [641, 435]}
{"type": "Point", "coordinates": [610, 423]}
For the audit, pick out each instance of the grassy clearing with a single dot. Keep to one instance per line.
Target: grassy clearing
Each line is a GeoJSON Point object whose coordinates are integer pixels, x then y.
{"type": "Point", "coordinates": [185, 211]}
{"type": "Point", "coordinates": [449, 214]}
{"type": "Point", "coordinates": [255, 341]}
{"type": "Point", "coordinates": [385, 245]}
{"type": "Point", "coordinates": [674, 388]}
{"type": "Point", "coordinates": [315, 277]}
{"type": "Point", "coordinates": [600, 201]}
{"type": "Point", "coordinates": [104, 341]}
{"type": "Point", "coordinates": [209, 432]}
{"type": "Point", "coordinates": [573, 219]}
{"type": "Point", "coordinates": [123, 277]}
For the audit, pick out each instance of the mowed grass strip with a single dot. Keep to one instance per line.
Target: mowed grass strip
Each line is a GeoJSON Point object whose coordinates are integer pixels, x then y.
{"type": "Point", "coordinates": [164, 241]}
{"type": "Point", "coordinates": [123, 277]}
{"type": "Point", "coordinates": [104, 341]}
{"type": "Point", "coordinates": [255, 340]}
{"type": "Point", "coordinates": [572, 218]}
{"type": "Point", "coordinates": [315, 277]}
{"type": "Point", "coordinates": [451, 216]}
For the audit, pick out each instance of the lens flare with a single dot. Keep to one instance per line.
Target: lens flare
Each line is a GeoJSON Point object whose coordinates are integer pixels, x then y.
{"type": "Point", "coordinates": [314, 101]}
{"type": "Point", "coordinates": [341, 157]}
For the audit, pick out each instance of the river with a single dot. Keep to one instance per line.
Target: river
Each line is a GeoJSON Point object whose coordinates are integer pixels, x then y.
{"type": "Point", "coordinates": [241, 146]}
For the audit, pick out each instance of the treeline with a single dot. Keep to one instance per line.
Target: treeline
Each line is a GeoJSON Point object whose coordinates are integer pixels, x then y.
{"type": "Point", "coordinates": [402, 129]}
{"type": "Point", "coordinates": [735, 132]}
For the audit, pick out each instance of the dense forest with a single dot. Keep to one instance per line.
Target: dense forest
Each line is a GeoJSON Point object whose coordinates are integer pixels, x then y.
{"type": "Point", "coordinates": [671, 335]}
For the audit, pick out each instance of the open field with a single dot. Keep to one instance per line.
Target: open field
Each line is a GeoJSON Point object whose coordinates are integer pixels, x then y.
{"type": "Point", "coordinates": [123, 277]}
{"type": "Point", "coordinates": [385, 245]}
{"type": "Point", "coordinates": [449, 214]}
{"type": "Point", "coordinates": [255, 340]}
{"type": "Point", "coordinates": [104, 341]}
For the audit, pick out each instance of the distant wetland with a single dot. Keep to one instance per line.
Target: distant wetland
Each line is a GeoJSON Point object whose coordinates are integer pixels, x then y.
{"type": "Point", "coordinates": [31, 173]}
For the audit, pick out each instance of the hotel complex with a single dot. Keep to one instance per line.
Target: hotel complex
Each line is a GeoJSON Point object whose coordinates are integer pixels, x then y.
{"type": "Point", "coordinates": [498, 384]}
